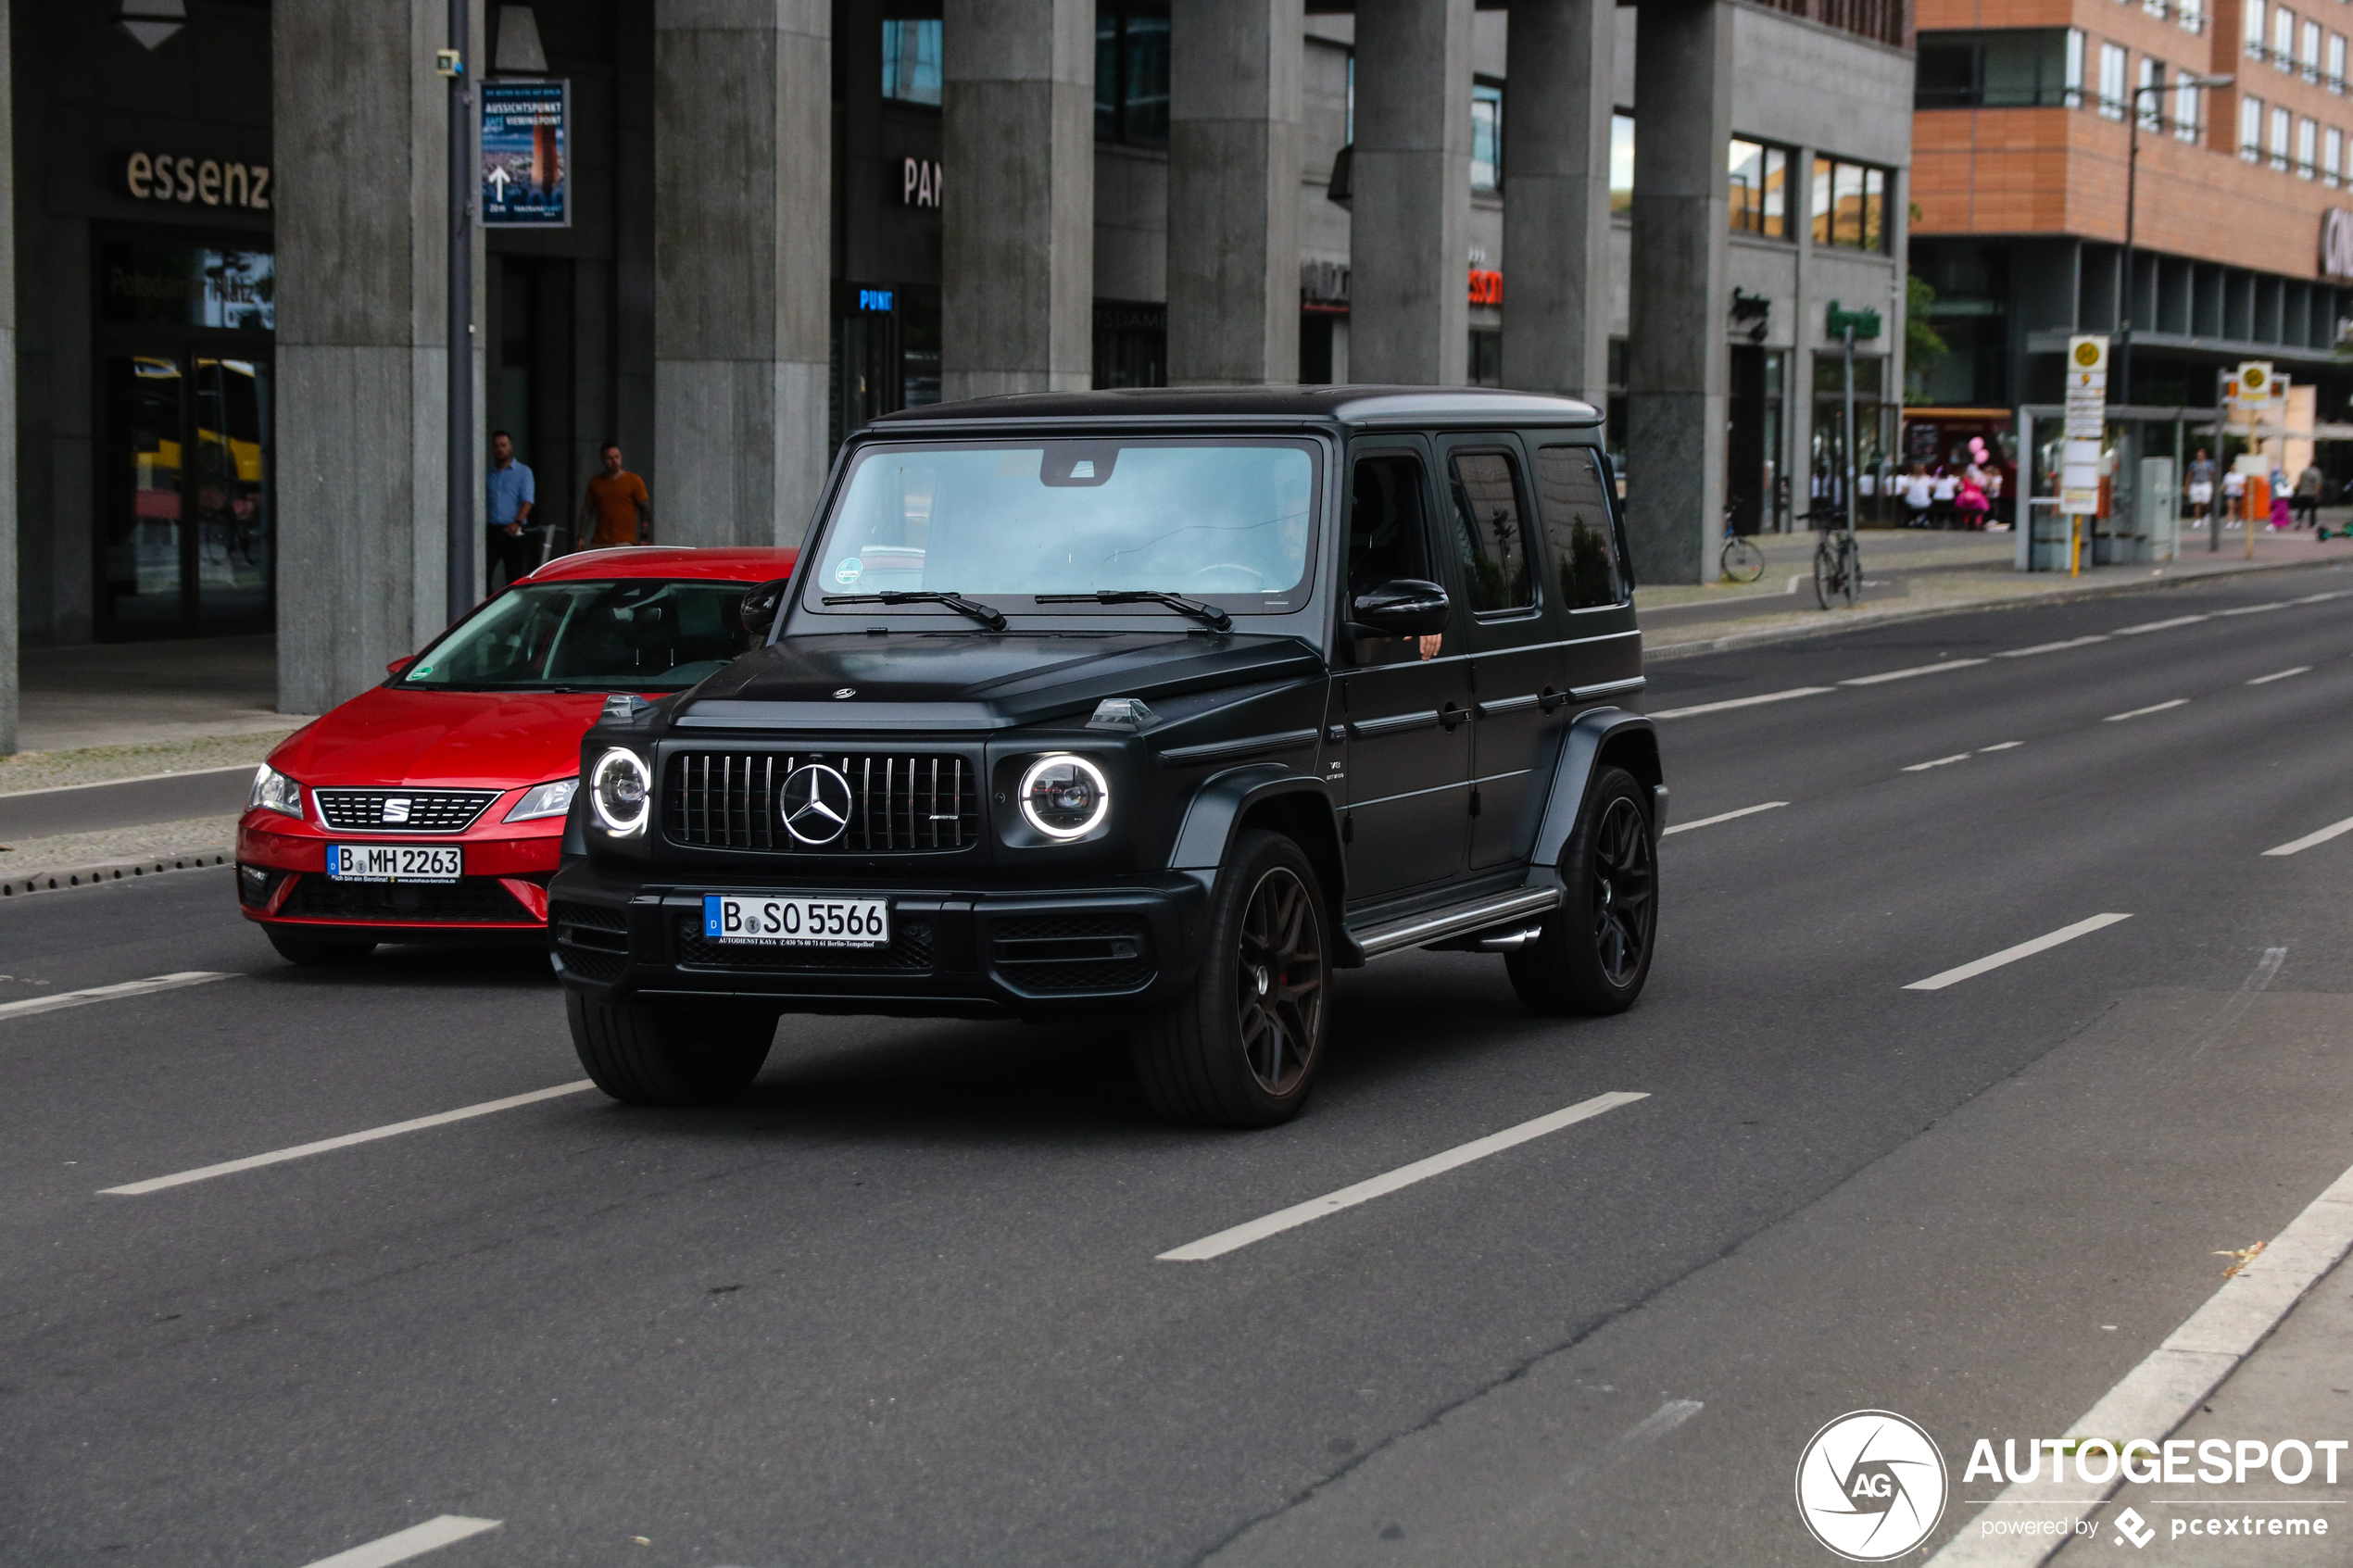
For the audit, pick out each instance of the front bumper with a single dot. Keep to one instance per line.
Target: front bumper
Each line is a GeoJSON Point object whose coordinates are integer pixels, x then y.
{"type": "Point", "coordinates": [282, 881]}
{"type": "Point", "coordinates": [967, 952]}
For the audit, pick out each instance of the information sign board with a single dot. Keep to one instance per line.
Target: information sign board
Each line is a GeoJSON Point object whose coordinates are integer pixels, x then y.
{"type": "Point", "coordinates": [527, 154]}
{"type": "Point", "coordinates": [2086, 425]}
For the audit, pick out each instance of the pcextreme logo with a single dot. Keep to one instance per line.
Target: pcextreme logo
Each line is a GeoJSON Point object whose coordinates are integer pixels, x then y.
{"type": "Point", "coordinates": [1870, 1485]}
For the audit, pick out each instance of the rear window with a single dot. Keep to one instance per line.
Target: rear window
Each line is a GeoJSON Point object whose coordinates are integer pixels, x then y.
{"type": "Point", "coordinates": [1574, 500]}
{"type": "Point", "coordinates": [631, 634]}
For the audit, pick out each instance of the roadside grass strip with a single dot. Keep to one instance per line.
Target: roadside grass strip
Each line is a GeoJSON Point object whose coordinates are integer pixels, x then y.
{"type": "Point", "coordinates": [1741, 702]}
{"type": "Point", "coordinates": [1298, 1215]}
{"type": "Point", "coordinates": [1937, 668]}
{"type": "Point", "coordinates": [2298, 846]}
{"type": "Point", "coordinates": [279, 1157]}
{"type": "Point", "coordinates": [2170, 1384]}
{"type": "Point", "coordinates": [32, 1005]}
{"type": "Point", "coordinates": [415, 1541]}
{"type": "Point", "coordinates": [1722, 817]}
{"type": "Point", "coordinates": [2138, 712]}
{"type": "Point", "coordinates": [2012, 955]}
{"type": "Point", "coordinates": [2280, 675]}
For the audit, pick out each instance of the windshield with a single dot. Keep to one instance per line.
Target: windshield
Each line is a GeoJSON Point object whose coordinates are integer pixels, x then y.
{"type": "Point", "coordinates": [1227, 520]}
{"type": "Point", "coordinates": [632, 635]}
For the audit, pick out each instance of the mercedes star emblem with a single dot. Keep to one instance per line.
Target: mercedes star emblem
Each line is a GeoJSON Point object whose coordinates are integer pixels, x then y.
{"type": "Point", "coordinates": [846, 691]}
{"type": "Point", "coordinates": [815, 803]}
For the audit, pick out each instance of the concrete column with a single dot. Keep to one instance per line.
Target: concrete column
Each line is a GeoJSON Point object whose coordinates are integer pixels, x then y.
{"type": "Point", "coordinates": [362, 348]}
{"type": "Point", "coordinates": [743, 265]}
{"type": "Point", "coordinates": [1678, 373]}
{"type": "Point", "coordinates": [1409, 257]}
{"type": "Point", "coordinates": [8, 698]}
{"type": "Point", "coordinates": [1233, 192]}
{"type": "Point", "coordinates": [1557, 301]}
{"type": "Point", "coordinates": [1018, 215]}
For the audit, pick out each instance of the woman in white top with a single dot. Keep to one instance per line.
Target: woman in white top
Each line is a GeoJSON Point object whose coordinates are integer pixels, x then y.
{"type": "Point", "coordinates": [1919, 491]}
{"type": "Point", "coordinates": [1948, 486]}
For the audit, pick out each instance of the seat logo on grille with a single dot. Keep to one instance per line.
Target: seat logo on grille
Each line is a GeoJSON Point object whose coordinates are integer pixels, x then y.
{"type": "Point", "coordinates": [396, 809]}
{"type": "Point", "coordinates": [814, 803]}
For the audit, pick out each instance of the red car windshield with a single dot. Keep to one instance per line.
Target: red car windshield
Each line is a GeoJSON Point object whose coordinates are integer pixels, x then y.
{"type": "Point", "coordinates": [625, 635]}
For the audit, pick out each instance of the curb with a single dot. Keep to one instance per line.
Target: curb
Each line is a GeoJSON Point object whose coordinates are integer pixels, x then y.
{"type": "Point", "coordinates": [63, 877]}
{"type": "Point", "coordinates": [1768, 634]}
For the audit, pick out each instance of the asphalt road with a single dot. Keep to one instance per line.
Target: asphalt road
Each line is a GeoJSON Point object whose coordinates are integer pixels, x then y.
{"type": "Point", "coordinates": [902, 1304]}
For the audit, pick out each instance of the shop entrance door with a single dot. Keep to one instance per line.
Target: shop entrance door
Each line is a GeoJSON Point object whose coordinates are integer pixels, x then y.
{"type": "Point", "coordinates": [186, 534]}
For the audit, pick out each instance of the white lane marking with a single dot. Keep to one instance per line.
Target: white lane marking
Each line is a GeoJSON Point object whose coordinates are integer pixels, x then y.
{"type": "Point", "coordinates": [2256, 610]}
{"type": "Point", "coordinates": [1743, 702]}
{"type": "Point", "coordinates": [276, 1156]}
{"type": "Point", "coordinates": [2053, 647]}
{"type": "Point", "coordinates": [2297, 846]}
{"type": "Point", "coordinates": [1936, 668]}
{"type": "Point", "coordinates": [2001, 746]}
{"type": "Point", "coordinates": [2152, 708]}
{"type": "Point", "coordinates": [32, 1005]}
{"type": "Point", "coordinates": [1298, 1215]}
{"type": "Point", "coordinates": [2322, 599]}
{"type": "Point", "coordinates": [2156, 1397]}
{"type": "Point", "coordinates": [1939, 762]}
{"type": "Point", "coordinates": [415, 1541]}
{"type": "Point", "coordinates": [245, 768]}
{"type": "Point", "coordinates": [2280, 675]}
{"type": "Point", "coordinates": [1724, 817]}
{"type": "Point", "coordinates": [2160, 625]}
{"type": "Point", "coordinates": [2012, 955]}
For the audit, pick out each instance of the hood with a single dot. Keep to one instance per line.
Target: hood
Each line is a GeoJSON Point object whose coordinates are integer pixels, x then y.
{"type": "Point", "coordinates": [979, 679]}
{"type": "Point", "coordinates": [389, 735]}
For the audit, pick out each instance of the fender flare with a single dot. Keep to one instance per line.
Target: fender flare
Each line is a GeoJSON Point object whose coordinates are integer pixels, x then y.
{"type": "Point", "coordinates": [1221, 804]}
{"type": "Point", "coordinates": [1598, 733]}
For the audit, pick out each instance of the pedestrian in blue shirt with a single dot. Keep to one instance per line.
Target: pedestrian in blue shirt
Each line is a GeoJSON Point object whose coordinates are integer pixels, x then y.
{"type": "Point", "coordinates": [514, 542]}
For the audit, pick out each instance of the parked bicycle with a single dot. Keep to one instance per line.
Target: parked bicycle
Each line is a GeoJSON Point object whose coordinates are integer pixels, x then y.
{"type": "Point", "coordinates": [1838, 561]}
{"type": "Point", "coordinates": [1740, 561]}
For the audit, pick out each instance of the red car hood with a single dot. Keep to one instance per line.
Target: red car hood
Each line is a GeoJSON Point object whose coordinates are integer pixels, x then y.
{"type": "Point", "coordinates": [486, 740]}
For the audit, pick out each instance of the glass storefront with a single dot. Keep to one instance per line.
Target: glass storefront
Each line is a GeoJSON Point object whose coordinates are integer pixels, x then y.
{"type": "Point", "coordinates": [1875, 434]}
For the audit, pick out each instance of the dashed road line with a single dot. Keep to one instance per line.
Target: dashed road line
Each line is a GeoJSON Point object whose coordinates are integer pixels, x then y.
{"type": "Point", "coordinates": [280, 1156]}
{"type": "Point", "coordinates": [2001, 746]}
{"type": "Point", "coordinates": [2280, 675]}
{"type": "Point", "coordinates": [32, 1005]}
{"type": "Point", "coordinates": [2012, 955]}
{"type": "Point", "coordinates": [2256, 610]}
{"type": "Point", "coordinates": [1936, 668]}
{"type": "Point", "coordinates": [1298, 1215]}
{"type": "Point", "coordinates": [1937, 762]}
{"type": "Point", "coordinates": [2053, 647]}
{"type": "Point", "coordinates": [1741, 702]}
{"type": "Point", "coordinates": [415, 1541]}
{"type": "Point", "coordinates": [2137, 712]}
{"type": "Point", "coordinates": [2160, 625]}
{"type": "Point", "coordinates": [1723, 817]}
{"type": "Point", "coordinates": [2297, 846]}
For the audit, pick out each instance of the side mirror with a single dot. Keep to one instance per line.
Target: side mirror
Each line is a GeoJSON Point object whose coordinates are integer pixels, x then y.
{"type": "Point", "coordinates": [398, 665]}
{"type": "Point", "coordinates": [1407, 608]}
{"type": "Point", "coordinates": [760, 607]}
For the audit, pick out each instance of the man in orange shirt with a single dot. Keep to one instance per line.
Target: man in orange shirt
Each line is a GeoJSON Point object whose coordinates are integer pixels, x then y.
{"type": "Point", "coordinates": [617, 509]}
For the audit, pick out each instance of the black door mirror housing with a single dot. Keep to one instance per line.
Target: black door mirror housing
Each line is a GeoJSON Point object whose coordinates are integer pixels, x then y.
{"type": "Point", "coordinates": [759, 608]}
{"type": "Point", "coordinates": [1406, 608]}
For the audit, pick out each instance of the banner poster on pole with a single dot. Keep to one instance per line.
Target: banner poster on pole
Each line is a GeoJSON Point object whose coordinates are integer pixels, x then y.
{"type": "Point", "coordinates": [2086, 425]}
{"type": "Point", "coordinates": [527, 154]}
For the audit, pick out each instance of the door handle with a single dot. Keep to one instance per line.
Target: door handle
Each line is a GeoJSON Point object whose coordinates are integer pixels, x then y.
{"type": "Point", "coordinates": [1449, 716]}
{"type": "Point", "coordinates": [1552, 700]}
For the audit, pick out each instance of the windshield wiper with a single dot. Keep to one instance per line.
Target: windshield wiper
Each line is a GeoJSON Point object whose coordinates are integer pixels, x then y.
{"type": "Point", "coordinates": [957, 602]}
{"type": "Point", "coordinates": [1209, 615]}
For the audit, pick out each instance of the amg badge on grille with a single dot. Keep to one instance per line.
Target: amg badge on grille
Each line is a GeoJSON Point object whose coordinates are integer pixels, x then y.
{"type": "Point", "coordinates": [814, 803]}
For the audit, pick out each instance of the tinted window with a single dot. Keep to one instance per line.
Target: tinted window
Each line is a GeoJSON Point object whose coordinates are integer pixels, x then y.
{"type": "Point", "coordinates": [631, 635]}
{"type": "Point", "coordinates": [1385, 530]}
{"type": "Point", "coordinates": [1577, 523]}
{"type": "Point", "coordinates": [1489, 536]}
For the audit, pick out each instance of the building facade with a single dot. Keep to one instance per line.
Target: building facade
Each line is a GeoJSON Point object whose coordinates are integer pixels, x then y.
{"type": "Point", "coordinates": [784, 217]}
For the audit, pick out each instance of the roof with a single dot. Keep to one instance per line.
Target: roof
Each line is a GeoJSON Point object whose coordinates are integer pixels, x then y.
{"type": "Point", "coordinates": [728, 563]}
{"type": "Point", "coordinates": [1479, 406]}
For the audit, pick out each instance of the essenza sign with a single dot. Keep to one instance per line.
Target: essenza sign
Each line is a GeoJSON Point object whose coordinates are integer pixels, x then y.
{"type": "Point", "coordinates": [168, 177]}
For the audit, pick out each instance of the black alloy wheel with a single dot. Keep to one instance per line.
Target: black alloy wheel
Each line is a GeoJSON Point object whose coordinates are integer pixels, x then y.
{"type": "Point", "coordinates": [1280, 983]}
{"type": "Point", "coordinates": [1592, 954]}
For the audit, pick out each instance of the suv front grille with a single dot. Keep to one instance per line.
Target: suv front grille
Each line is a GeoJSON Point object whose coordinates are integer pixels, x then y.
{"type": "Point", "coordinates": [900, 802]}
{"type": "Point", "coordinates": [403, 810]}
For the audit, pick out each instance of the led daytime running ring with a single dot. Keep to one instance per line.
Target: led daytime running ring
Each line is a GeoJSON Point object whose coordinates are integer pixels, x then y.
{"type": "Point", "coordinates": [1093, 774]}
{"type": "Point", "coordinates": [618, 758]}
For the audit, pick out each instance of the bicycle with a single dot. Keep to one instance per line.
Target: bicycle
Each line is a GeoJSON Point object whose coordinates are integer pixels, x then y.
{"type": "Point", "coordinates": [1740, 561]}
{"type": "Point", "coordinates": [1838, 560]}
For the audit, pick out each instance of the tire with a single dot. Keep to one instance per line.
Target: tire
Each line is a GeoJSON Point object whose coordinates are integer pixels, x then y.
{"type": "Point", "coordinates": [1243, 1046]}
{"type": "Point", "coordinates": [1741, 560]}
{"type": "Point", "coordinates": [1592, 953]}
{"type": "Point", "coordinates": [1850, 565]}
{"type": "Point", "coordinates": [1825, 574]}
{"type": "Point", "coordinates": [316, 952]}
{"type": "Point", "coordinates": [642, 1055]}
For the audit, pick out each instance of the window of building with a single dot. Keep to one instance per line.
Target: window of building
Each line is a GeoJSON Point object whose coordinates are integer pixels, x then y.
{"type": "Point", "coordinates": [1621, 162]}
{"type": "Point", "coordinates": [2024, 67]}
{"type": "Point", "coordinates": [910, 61]}
{"type": "Point", "coordinates": [2282, 123]}
{"type": "Point", "coordinates": [2332, 157]}
{"type": "Point", "coordinates": [2283, 38]}
{"type": "Point", "coordinates": [1760, 186]}
{"type": "Point", "coordinates": [1131, 344]}
{"type": "Point", "coordinates": [2334, 66]}
{"type": "Point", "coordinates": [2251, 17]}
{"type": "Point", "coordinates": [2307, 51]}
{"type": "Point", "coordinates": [1850, 205]}
{"type": "Point", "coordinates": [1132, 72]}
{"type": "Point", "coordinates": [1487, 135]}
{"type": "Point", "coordinates": [2308, 149]}
{"type": "Point", "coordinates": [2150, 98]}
{"type": "Point", "coordinates": [2191, 14]}
{"type": "Point", "coordinates": [1827, 484]}
{"type": "Point", "coordinates": [2251, 129]}
{"type": "Point", "coordinates": [2111, 82]}
{"type": "Point", "coordinates": [2189, 112]}
{"type": "Point", "coordinates": [2154, 7]}
{"type": "Point", "coordinates": [1486, 363]}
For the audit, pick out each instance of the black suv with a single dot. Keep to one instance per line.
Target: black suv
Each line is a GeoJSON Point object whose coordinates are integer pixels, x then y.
{"type": "Point", "coordinates": [1337, 677]}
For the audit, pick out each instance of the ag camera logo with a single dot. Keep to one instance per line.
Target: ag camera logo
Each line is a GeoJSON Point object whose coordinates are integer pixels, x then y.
{"type": "Point", "coordinates": [1870, 1485]}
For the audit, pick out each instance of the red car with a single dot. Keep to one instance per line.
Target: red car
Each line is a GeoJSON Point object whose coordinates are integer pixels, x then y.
{"type": "Point", "coordinates": [432, 807]}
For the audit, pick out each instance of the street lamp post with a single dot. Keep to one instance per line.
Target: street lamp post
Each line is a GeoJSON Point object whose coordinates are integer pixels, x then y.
{"type": "Point", "coordinates": [2132, 194]}
{"type": "Point", "coordinates": [463, 532]}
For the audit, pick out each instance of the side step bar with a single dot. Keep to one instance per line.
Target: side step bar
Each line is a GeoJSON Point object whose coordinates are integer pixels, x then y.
{"type": "Point", "coordinates": [1413, 931]}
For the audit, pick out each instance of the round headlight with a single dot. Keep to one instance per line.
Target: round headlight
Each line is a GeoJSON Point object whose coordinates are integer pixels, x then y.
{"type": "Point", "coordinates": [619, 791]}
{"type": "Point", "coordinates": [1064, 796]}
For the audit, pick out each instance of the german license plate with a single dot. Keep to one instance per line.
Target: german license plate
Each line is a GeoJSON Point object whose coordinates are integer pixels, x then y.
{"type": "Point", "coordinates": [772, 921]}
{"type": "Point", "coordinates": [395, 862]}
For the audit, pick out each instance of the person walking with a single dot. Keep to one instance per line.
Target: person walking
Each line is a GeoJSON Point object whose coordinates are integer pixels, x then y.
{"type": "Point", "coordinates": [617, 510]}
{"type": "Point", "coordinates": [2201, 487]}
{"type": "Point", "coordinates": [2233, 497]}
{"type": "Point", "coordinates": [512, 500]}
{"type": "Point", "coordinates": [2308, 495]}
